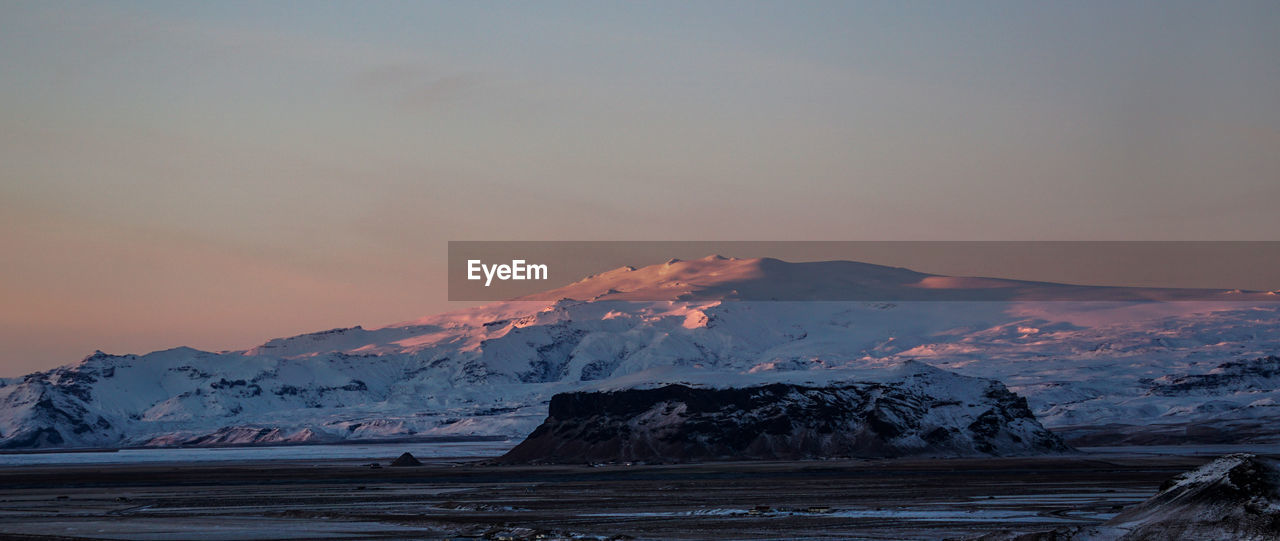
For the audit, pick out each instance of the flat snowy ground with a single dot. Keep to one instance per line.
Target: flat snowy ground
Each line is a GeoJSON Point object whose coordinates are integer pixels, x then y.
{"type": "Point", "coordinates": [366, 451]}
{"type": "Point", "coordinates": [311, 497]}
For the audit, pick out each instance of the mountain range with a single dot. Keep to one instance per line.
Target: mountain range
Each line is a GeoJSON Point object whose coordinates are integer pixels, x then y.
{"type": "Point", "coordinates": [1158, 369]}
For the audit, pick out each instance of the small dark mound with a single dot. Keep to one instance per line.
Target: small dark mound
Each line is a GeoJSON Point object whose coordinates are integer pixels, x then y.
{"type": "Point", "coordinates": [405, 460]}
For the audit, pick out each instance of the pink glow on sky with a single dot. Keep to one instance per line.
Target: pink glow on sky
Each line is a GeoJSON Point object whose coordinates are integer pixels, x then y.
{"type": "Point", "coordinates": [217, 174]}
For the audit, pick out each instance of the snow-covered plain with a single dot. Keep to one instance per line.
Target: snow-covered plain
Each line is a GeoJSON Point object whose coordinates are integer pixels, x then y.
{"type": "Point", "coordinates": [364, 452]}
{"type": "Point", "coordinates": [1094, 369]}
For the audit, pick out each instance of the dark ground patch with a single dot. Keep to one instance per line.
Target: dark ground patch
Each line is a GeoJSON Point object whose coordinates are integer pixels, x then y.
{"type": "Point", "coordinates": [873, 499]}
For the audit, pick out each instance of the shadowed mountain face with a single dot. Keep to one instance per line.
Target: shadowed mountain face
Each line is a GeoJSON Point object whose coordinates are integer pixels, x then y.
{"type": "Point", "coordinates": [1233, 497]}
{"type": "Point", "coordinates": [928, 413]}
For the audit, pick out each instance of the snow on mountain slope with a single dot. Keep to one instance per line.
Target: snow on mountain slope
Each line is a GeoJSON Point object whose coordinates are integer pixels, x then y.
{"type": "Point", "coordinates": [1233, 497]}
{"type": "Point", "coordinates": [1089, 368]}
{"type": "Point", "coordinates": [767, 279]}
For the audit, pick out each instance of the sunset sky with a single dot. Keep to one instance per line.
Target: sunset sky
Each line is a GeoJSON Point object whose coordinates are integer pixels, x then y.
{"type": "Point", "coordinates": [216, 174]}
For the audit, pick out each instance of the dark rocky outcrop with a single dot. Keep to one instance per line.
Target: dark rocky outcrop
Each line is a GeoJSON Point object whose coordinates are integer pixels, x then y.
{"type": "Point", "coordinates": [931, 413]}
{"type": "Point", "coordinates": [1262, 373]}
{"type": "Point", "coordinates": [405, 460]}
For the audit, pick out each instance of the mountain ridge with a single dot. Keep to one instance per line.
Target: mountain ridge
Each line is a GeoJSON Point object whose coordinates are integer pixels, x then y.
{"type": "Point", "coordinates": [715, 277]}
{"type": "Point", "coordinates": [490, 370]}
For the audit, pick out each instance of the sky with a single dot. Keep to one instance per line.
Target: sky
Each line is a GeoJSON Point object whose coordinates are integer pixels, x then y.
{"type": "Point", "coordinates": [216, 174]}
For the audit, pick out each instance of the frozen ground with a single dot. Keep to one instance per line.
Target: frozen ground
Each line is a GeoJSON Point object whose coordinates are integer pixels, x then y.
{"type": "Point", "coordinates": [1185, 450]}
{"type": "Point", "coordinates": [339, 498]}
{"type": "Point", "coordinates": [197, 455]}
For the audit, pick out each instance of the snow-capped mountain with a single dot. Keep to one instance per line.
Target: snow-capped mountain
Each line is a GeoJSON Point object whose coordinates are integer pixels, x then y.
{"type": "Point", "coordinates": [913, 410]}
{"type": "Point", "coordinates": [1091, 369]}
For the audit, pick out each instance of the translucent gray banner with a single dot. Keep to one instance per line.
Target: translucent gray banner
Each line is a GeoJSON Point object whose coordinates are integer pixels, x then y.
{"type": "Point", "coordinates": [863, 271]}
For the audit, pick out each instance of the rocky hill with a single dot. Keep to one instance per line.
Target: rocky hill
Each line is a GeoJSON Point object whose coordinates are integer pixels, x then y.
{"type": "Point", "coordinates": [1233, 497]}
{"type": "Point", "coordinates": [926, 412]}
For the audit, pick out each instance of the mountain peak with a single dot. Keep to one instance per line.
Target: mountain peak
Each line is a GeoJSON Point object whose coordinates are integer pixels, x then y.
{"type": "Point", "coordinates": [716, 277]}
